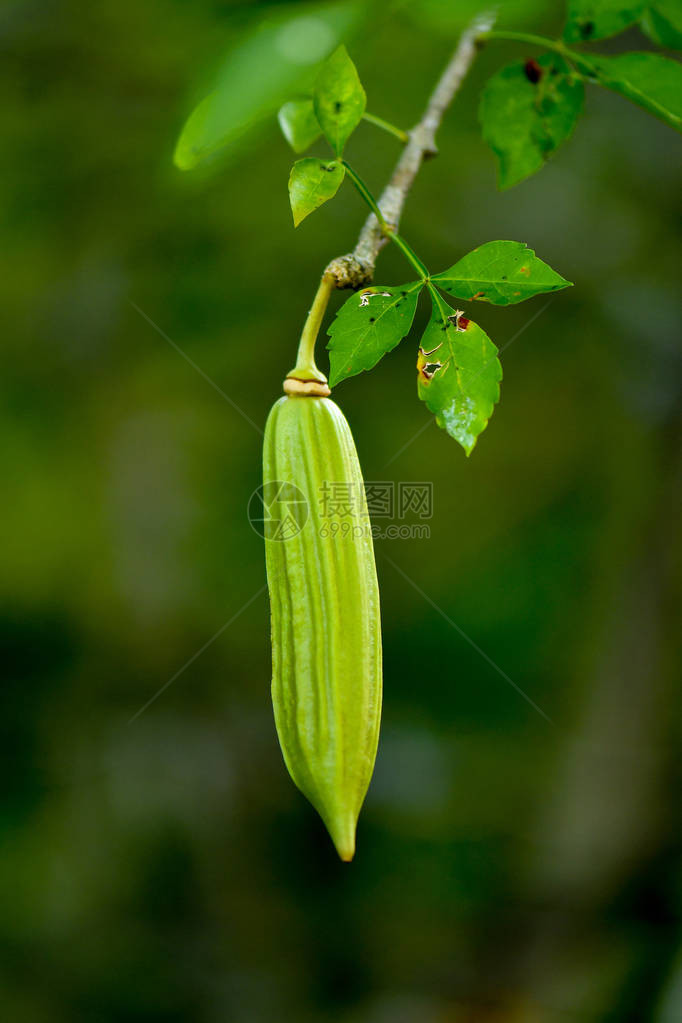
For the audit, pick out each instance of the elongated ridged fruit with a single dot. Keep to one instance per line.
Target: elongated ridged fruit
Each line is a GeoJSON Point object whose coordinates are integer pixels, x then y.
{"type": "Point", "coordinates": [324, 601]}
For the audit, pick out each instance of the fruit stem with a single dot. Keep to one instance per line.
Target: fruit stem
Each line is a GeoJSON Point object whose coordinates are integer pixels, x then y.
{"type": "Point", "coordinates": [305, 369]}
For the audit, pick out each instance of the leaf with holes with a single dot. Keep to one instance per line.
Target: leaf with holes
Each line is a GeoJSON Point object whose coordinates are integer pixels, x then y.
{"type": "Point", "coordinates": [339, 99]}
{"type": "Point", "coordinates": [299, 124]}
{"type": "Point", "coordinates": [370, 324]}
{"type": "Point", "coordinates": [503, 273]}
{"type": "Point", "coordinates": [651, 81]}
{"type": "Point", "coordinates": [527, 110]}
{"type": "Point", "coordinates": [311, 183]}
{"type": "Point", "coordinates": [662, 22]}
{"type": "Point", "coordinates": [458, 374]}
{"type": "Point", "coordinates": [597, 19]}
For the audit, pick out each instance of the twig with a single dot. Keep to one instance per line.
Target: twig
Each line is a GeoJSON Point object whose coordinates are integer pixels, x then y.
{"type": "Point", "coordinates": [357, 267]}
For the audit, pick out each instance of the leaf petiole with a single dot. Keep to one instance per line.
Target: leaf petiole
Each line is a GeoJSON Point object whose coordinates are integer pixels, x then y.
{"type": "Point", "coordinates": [387, 126]}
{"type": "Point", "coordinates": [555, 45]}
{"type": "Point", "coordinates": [436, 297]}
{"type": "Point", "coordinates": [367, 196]}
{"type": "Point", "coordinates": [524, 37]}
{"type": "Point", "coordinates": [409, 254]}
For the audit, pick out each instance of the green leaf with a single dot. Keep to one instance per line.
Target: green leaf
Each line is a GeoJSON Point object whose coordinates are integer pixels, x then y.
{"type": "Point", "coordinates": [527, 110]}
{"type": "Point", "coordinates": [651, 81]}
{"type": "Point", "coordinates": [278, 57]}
{"type": "Point", "coordinates": [458, 374]}
{"type": "Point", "coordinates": [503, 273]}
{"type": "Point", "coordinates": [367, 326]}
{"type": "Point", "coordinates": [597, 19]}
{"type": "Point", "coordinates": [188, 148]}
{"type": "Point", "coordinates": [339, 99]}
{"type": "Point", "coordinates": [311, 183]}
{"type": "Point", "coordinates": [662, 22]}
{"type": "Point", "coordinates": [299, 124]}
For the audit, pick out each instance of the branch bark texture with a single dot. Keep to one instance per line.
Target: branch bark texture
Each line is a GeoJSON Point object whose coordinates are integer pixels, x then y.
{"type": "Point", "coordinates": [356, 268]}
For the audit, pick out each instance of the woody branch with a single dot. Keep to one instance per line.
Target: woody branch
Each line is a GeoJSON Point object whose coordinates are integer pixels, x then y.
{"type": "Point", "coordinates": [356, 268]}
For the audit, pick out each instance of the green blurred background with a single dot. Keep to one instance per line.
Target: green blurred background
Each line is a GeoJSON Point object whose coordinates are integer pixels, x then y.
{"type": "Point", "coordinates": [167, 869]}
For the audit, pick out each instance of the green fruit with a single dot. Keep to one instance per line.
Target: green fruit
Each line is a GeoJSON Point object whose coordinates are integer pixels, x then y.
{"type": "Point", "coordinates": [324, 599]}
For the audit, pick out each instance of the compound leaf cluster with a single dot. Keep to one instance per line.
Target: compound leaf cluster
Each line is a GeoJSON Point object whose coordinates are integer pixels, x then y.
{"type": "Point", "coordinates": [458, 372]}
{"type": "Point", "coordinates": [529, 108]}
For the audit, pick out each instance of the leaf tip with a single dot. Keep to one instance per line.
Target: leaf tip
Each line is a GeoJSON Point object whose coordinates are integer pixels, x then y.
{"type": "Point", "coordinates": [184, 158]}
{"type": "Point", "coordinates": [339, 53]}
{"type": "Point", "coordinates": [299, 215]}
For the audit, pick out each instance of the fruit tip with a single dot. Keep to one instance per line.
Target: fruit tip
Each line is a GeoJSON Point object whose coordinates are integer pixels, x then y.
{"type": "Point", "coordinates": [344, 843]}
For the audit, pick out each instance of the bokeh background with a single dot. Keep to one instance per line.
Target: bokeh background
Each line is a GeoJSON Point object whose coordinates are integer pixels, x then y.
{"type": "Point", "coordinates": [165, 868]}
